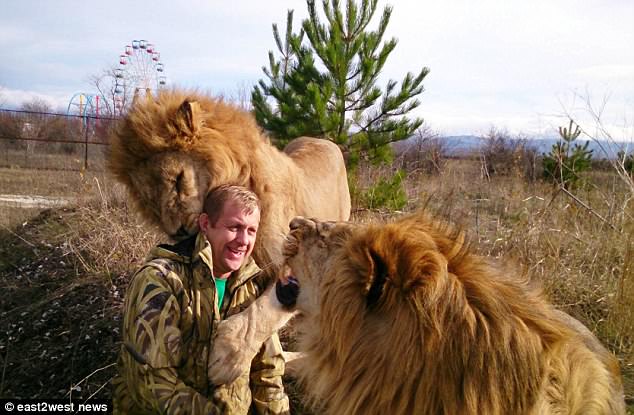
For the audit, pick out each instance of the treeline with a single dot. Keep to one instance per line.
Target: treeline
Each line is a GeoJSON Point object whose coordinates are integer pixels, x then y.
{"type": "Point", "coordinates": [36, 127]}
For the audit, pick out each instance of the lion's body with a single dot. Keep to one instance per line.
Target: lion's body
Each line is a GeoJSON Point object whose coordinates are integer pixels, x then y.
{"type": "Point", "coordinates": [171, 150]}
{"type": "Point", "coordinates": [402, 319]}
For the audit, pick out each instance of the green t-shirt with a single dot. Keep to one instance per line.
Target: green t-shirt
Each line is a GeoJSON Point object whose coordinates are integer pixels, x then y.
{"type": "Point", "coordinates": [220, 289]}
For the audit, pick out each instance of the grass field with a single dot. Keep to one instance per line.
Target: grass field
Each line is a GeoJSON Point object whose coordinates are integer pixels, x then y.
{"type": "Point", "coordinates": [579, 245]}
{"type": "Point", "coordinates": [42, 182]}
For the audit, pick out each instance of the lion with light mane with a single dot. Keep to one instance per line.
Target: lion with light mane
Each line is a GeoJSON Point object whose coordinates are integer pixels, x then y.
{"type": "Point", "coordinates": [403, 318]}
{"type": "Point", "coordinates": [171, 150]}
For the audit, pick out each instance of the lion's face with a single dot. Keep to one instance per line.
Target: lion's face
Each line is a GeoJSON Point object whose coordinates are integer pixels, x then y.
{"type": "Point", "coordinates": [307, 250]}
{"type": "Point", "coordinates": [359, 261]}
{"type": "Point", "coordinates": [171, 187]}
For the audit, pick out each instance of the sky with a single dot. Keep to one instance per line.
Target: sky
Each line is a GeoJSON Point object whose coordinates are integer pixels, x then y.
{"type": "Point", "coordinates": [520, 66]}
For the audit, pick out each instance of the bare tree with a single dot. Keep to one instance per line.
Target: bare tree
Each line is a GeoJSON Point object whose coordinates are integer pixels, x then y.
{"type": "Point", "coordinates": [34, 126]}
{"type": "Point", "coordinates": [425, 151]}
{"type": "Point", "coordinates": [240, 95]}
{"type": "Point", "coordinates": [106, 84]}
{"type": "Point", "coordinates": [504, 154]}
{"type": "Point", "coordinates": [39, 125]}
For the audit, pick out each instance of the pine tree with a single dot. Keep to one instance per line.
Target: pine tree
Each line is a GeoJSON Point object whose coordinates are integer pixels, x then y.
{"type": "Point", "coordinates": [565, 161]}
{"type": "Point", "coordinates": [324, 83]}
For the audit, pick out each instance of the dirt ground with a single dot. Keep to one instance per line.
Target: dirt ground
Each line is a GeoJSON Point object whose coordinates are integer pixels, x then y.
{"type": "Point", "coordinates": [59, 327]}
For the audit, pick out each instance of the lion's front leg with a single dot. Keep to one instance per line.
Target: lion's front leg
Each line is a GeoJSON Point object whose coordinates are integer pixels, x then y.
{"type": "Point", "coordinates": [239, 338]}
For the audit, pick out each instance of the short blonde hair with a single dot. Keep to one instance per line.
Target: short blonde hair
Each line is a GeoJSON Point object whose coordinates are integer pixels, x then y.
{"type": "Point", "coordinates": [219, 196]}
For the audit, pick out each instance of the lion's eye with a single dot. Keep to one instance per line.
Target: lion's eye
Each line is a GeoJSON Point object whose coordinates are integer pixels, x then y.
{"type": "Point", "coordinates": [179, 182]}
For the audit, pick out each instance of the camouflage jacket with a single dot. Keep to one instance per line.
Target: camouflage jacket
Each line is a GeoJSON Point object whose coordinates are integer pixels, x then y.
{"type": "Point", "coordinates": [170, 316]}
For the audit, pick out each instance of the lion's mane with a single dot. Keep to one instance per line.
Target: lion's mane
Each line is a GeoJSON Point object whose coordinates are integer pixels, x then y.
{"type": "Point", "coordinates": [403, 318]}
{"type": "Point", "coordinates": [171, 150]}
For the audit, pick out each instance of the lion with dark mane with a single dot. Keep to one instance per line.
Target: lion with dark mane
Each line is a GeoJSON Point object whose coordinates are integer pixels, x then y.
{"type": "Point", "coordinates": [171, 150]}
{"type": "Point", "coordinates": [402, 318]}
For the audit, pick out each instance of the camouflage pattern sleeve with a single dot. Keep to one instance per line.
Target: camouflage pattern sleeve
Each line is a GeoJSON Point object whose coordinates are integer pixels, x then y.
{"type": "Point", "coordinates": [154, 343]}
{"type": "Point", "coordinates": [267, 370]}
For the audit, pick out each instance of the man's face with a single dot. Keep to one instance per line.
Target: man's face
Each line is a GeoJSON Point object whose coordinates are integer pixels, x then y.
{"type": "Point", "coordinates": [231, 238]}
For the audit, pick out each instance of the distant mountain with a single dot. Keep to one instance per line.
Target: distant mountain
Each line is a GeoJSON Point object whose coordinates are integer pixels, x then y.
{"type": "Point", "coordinates": [460, 144]}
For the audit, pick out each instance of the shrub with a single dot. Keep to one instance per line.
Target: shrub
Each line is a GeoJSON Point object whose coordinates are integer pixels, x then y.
{"type": "Point", "coordinates": [504, 155]}
{"type": "Point", "coordinates": [565, 162]}
{"type": "Point", "coordinates": [426, 152]}
{"type": "Point", "coordinates": [388, 192]}
{"type": "Point", "coordinates": [627, 160]}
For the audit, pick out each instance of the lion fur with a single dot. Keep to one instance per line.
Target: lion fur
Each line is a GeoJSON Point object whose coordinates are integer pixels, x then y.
{"type": "Point", "coordinates": [171, 150]}
{"type": "Point", "coordinates": [403, 318]}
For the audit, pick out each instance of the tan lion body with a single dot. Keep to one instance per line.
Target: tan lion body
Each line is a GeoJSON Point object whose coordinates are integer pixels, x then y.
{"type": "Point", "coordinates": [171, 150]}
{"type": "Point", "coordinates": [402, 319]}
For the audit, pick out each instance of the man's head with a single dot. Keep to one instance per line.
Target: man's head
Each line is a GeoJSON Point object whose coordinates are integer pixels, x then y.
{"type": "Point", "coordinates": [230, 220]}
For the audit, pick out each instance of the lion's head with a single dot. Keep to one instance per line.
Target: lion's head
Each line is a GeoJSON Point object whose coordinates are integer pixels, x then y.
{"type": "Point", "coordinates": [402, 318]}
{"type": "Point", "coordinates": [307, 245]}
{"type": "Point", "coordinates": [362, 291]}
{"type": "Point", "coordinates": [371, 258]}
{"type": "Point", "coordinates": [170, 150]}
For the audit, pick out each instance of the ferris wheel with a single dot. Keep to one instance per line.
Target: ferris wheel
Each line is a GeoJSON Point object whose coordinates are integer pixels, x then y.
{"type": "Point", "coordinates": [140, 70]}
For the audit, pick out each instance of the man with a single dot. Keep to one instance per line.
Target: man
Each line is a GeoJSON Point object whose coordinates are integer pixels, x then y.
{"type": "Point", "coordinates": [173, 306]}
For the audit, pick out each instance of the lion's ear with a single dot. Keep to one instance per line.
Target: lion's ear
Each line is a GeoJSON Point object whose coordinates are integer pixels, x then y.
{"type": "Point", "coordinates": [189, 118]}
{"type": "Point", "coordinates": [377, 278]}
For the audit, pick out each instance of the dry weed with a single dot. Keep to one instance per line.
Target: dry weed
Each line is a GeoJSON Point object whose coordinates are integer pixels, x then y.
{"type": "Point", "coordinates": [105, 235]}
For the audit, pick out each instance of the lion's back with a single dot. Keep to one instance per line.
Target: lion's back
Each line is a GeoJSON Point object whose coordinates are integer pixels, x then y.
{"type": "Point", "coordinates": [323, 174]}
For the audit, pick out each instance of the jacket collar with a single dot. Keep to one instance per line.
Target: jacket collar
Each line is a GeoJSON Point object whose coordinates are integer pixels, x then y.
{"type": "Point", "coordinates": [196, 250]}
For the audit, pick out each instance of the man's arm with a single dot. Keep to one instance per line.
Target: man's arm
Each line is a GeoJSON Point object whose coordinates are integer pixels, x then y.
{"type": "Point", "coordinates": [267, 388]}
{"type": "Point", "coordinates": [153, 341]}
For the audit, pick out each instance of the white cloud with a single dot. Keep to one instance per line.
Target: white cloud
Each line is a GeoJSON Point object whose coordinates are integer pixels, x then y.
{"type": "Point", "coordinates": [607, 73]}
{"type": "Point", "coordinates": [14, 98]}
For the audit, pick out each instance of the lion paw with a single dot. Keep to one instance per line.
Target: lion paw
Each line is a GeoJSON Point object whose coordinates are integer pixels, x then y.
{"type": "Point", "coordinates": [240, 337]}
{"type": "Point", "coordinates": [233, 349]}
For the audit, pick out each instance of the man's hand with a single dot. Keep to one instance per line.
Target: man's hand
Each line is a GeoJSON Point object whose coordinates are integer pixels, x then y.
{"type": "Point", "coordinates": [239, 338]}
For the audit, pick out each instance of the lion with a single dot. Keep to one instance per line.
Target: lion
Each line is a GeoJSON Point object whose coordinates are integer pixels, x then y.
{"type": "Point", "coordinates": [402, 318]}
{"type": "Point", "coordinates": [169, 151]}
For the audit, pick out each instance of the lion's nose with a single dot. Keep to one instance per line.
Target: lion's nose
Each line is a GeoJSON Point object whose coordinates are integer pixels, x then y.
{"type": "Point", "coordinates": [300, 221]}
{"type": "Point", "coordinates": [296, 222]}
{"type": "Point", "coordinates": [181, 233]}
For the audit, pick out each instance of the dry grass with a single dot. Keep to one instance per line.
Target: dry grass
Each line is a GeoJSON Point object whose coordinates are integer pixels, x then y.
{"type": "Point", "coordinates": [44, 157]}
{"type": "Point", "coordinates": [106, 236]}
{"type": "Point", "coordinates": [63, 273]}
{"type": "Point", "coordinates": [40, 182]}
{"type": "Point", "coordinates": [16, 181]}
{"type": "Point", "coordinates": [103, 231]}
{"type": "Point", "coordinates": [583, 255]}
